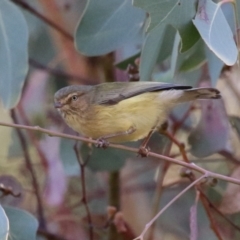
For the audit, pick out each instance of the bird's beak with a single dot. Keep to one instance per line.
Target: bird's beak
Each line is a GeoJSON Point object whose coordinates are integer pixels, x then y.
{"type": "Point", "coordinates": [58, 105]}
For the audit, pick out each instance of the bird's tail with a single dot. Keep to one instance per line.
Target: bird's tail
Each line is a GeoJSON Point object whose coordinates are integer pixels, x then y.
{"type": "Point", "coordinates": [199, 93]}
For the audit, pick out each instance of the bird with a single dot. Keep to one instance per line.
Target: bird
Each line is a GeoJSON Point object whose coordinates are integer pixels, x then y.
{"type": "Point", "coordinates": [123, 111]}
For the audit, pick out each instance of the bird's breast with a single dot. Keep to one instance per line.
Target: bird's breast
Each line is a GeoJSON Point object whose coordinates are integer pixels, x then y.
{"type": "Point", "coordinates": [142, 112]}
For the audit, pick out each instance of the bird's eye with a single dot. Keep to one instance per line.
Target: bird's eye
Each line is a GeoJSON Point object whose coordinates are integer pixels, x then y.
{"type": "Point", "coordinates": [74, 97]}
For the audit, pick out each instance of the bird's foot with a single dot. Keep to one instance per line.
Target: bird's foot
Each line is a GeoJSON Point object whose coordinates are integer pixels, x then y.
{"type": "Point", "coordinates": [102, 143]}
{"type": "Point", "coordinates": [143, 151]}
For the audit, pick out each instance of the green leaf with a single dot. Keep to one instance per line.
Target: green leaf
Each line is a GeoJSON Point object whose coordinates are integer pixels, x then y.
{"type": "Point", "coordinates": [109, 159]}
{"type": "Point", "coordinates": [150, 52]}
{"type": "Point", "coordinates": [177, 14]}
{"type": "Point", "coordinates": [23, 225]}
{"type": "Point", "coordinates": [190, 60]}
{"type": "Point", "coordinates": [215, 66]}
{"type": "Point", "coordinates": [108, 25]}
{"type": "Point", "coordinates": [193, 58]}
{"type": "Point", "coordinates": [215, 31]}
{"type": "Point", "coordinates": [4, 224]}
{"type": "Point", "coordinates": [167, 44]}
{"type": "Point", "coordinates": [13, 53]}
{"type": "Point", "coordinates": [174, 57]}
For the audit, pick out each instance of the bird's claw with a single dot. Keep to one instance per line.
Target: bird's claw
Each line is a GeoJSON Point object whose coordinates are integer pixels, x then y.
{"type": "Point", "coordinates": [143, 151]}
{"type": "Point", "coordinates": [102, 143]}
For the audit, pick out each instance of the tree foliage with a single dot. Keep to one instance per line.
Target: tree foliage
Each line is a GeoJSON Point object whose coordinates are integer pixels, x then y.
{"type": "Point", "coordinates": [47, 190]}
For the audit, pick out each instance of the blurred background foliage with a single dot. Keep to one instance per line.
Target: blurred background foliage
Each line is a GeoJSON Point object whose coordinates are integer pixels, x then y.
{"type": "Point", "coordinates": [46, 45]}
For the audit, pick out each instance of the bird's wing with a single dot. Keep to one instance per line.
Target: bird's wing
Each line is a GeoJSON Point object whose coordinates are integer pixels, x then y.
{"type": "Point", "coordinates": [113, 93]}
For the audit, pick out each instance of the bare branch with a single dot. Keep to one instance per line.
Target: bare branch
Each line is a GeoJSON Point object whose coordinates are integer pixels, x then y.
{"type": "Point", "coordinates": [126, 148]}
{"type": "Point", "coordinates": [148, 225]}
{"type": "Point", "coordinates": [23, 142]}
{"type": "Point", "coordinates": [84, 192]}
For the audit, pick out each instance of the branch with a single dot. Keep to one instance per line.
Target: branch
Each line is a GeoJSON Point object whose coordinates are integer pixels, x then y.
{"type": "Point", "coordinates": [23, 142]}
{"type": "Point", "coordinates": [148, 225]}
{"type": "Point", "coordinates": [114, 201]}
{"type": "Point", "coordinates": [126, 148]}
{"type": "Point", "coordinates": [192, 177]}
{"type": "Point", "coordinates": [84, 192]}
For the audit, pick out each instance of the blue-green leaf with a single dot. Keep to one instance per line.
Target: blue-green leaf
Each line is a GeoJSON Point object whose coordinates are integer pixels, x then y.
{"type": "Point", "coordinates": [193, 58]}
{"type": "Point", "coordinates": [23, 226]}
{"type": "Point", "coordinates": [150, 52]}
{"type": "Point", "coordinates": [4, 224]}
{"type": "Point", "coordinates": [13, 53]}
{"type": "Point", "coordinates": [108, 25]}
{"type": "Point", "coordinates": [215, 31]}
{"type": "Point", "coordinates": [215, 66]}
{"type": "Point", "coordinates": [176, 13]}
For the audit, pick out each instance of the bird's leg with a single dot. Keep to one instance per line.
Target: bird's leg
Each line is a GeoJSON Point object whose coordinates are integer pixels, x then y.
{"type": "Point", "coordinates": [143, 150]}
{"type": "Point", "coordinates": [103, 143]}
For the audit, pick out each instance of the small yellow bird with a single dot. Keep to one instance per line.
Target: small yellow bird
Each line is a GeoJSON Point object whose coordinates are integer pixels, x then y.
{"type": "Point", "coordinates": [123, 111]}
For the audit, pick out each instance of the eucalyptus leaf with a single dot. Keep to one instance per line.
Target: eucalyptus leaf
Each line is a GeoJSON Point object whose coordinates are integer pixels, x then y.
{"type": "Point", "coordinates": [23, 225]}
{"type": "Point", "coordinates": [215, 31]}
{"type": "Point", "coordinates": [150, 52]}
{"type": "Point", "coordinates": [167, 43]}
{"type": "Point", "coordinates": [215, 66]}
{"type": "Point", "coordinates": [175, 51]}
{"type": "Point", "coordinates": [13, 53]}
{"type": "Point", "coordinates": [176, 218]}
{"type": "Point", "coordinates": [4, 225]}
{"type": "Point", "coordinates": [177, 14]}
{"type": "Point", "coordinates": [193, 58]}
{"type": "Point", "coordinates": [108, 25]}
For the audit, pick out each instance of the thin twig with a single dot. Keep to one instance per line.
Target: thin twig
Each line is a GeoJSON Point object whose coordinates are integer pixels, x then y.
{"type": "Point", "coordinates": [169, 204]}
{"type": "Point", "coordinates": [181, 146]}
{"type": "Point", "coordinates": [30, 9]}
{"type": "Point", "coordinates": [84, 192]}
{"type": "Point", "coordinates": [211, 205]}
{"type": "Point", "coordinates": [126, 148]}
{"type": "Point", "coordinates": [161, 175]}
{"type": "Point", "coordinates": [228, 155]}
{"type": "Point", "coordinates": [33, 138]}
{"type": "Point", "coordinates": [23, 142]}
{"type": "Point", "coordinates": [193, 219]}
{"type": "Point", "coordinates": [157, 196]}
{"type": "Point", "coordinates": [213, 223]}
{"type": "Point", "coordinates": [114, 201]}
{"type": "Point", "coordinates": [192, 177]}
